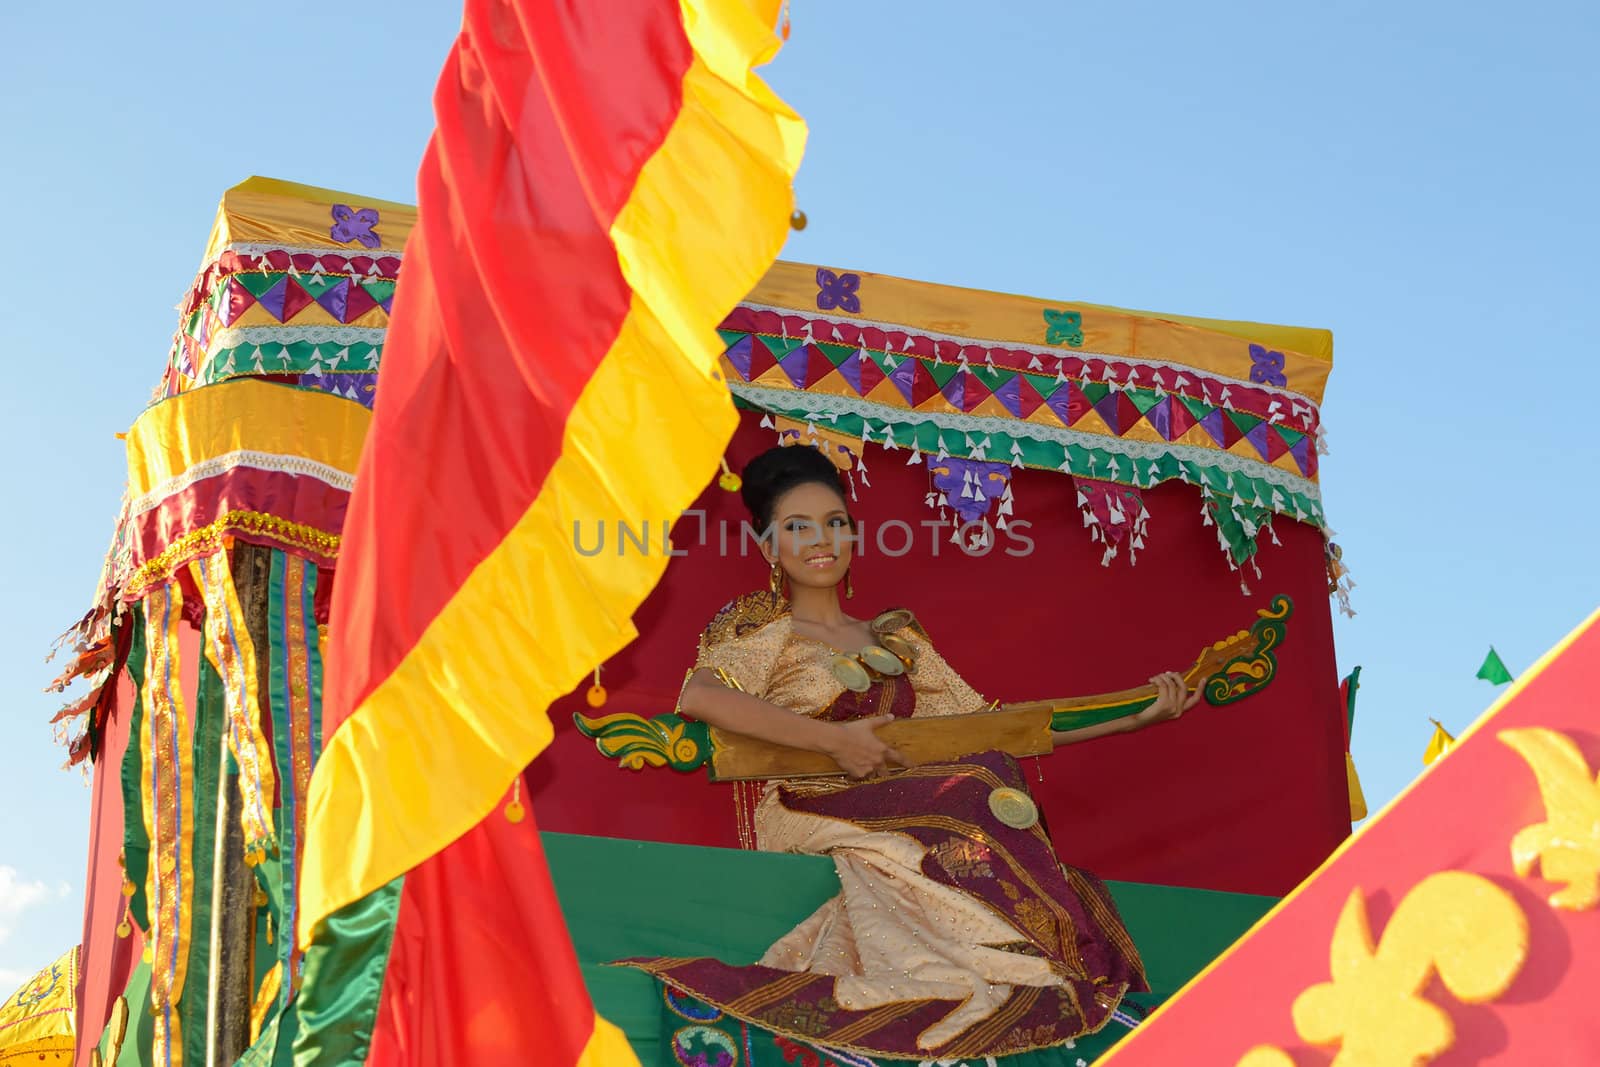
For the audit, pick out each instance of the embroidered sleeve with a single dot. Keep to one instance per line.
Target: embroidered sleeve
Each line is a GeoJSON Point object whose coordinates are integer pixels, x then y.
{"type": "Point", "coordinates": [740, 645]}
{"type": "Point", "coordinates": [940, 690]}
{"type": "Point", "coordinates": [742, 663]}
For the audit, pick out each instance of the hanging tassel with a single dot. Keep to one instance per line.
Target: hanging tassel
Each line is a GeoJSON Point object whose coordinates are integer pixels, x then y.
{"type": "Point", "coordinates": [514, 810]}
{"type": "Point", "coordinates": [728, 479]}
{"type": "Point", "coordinates": [596, 696]}
{"type": "Point", "coordinates": [125, 927]}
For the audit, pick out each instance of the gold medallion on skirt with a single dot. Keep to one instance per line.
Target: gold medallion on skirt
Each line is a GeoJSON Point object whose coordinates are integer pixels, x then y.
{"type": "Point", "coordinates": [1014, 808]}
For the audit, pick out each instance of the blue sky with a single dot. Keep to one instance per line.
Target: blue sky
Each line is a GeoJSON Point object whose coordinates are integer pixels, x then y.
{"type": "Point", "coordinates": [1418, 177]}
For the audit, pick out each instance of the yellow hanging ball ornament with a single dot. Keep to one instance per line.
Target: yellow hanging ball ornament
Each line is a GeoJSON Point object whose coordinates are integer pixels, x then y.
{"type": "Point", "coordinates": [730, 481]}
{"type": "Point", "coordinates": [797, 220]}
{"type": "Point", "coordinates": [124, 928]}
{"type": "Point", "coordinates": [596, 696]}
{"type": "Point", "coordinates": [515, 812]}
{"type": "Point", "coordinates": [128, 889]}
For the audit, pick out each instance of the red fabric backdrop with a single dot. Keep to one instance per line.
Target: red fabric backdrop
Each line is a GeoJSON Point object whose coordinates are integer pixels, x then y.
{"type": "Point", "coordinates": [1249, 798]}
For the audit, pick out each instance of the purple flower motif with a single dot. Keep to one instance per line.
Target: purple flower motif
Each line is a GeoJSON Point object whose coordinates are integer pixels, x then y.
{"type": "Point", "coordinates": [351, 225]}
{"type": "Point", "coordinates": [838, 291]}
{"type": "Point", "coordinates": [969, 484]}
{"type": "Point", "coordinates": [1266, 367]}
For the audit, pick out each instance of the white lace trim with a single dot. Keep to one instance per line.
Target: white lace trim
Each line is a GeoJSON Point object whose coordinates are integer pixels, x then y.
{"type": "Point", "coordinates": [1047, 352]}
{"type": "Point", "coordinates": [264, 461]}
{"type": "Point", "coordinates": [288, 335]}
{"type": "Point", "coordinates": [252, 248]}
{"type": "Point", "coordinates": [788, 401]}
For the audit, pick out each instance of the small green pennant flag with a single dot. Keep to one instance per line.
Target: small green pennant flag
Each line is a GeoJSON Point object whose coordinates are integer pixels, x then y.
{"type": "Point", "coordinates": [1494, 671]}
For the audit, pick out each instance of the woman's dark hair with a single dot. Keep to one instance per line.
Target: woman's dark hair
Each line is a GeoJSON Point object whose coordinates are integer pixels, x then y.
{"type": "Point", "coordinates": [778, 470]}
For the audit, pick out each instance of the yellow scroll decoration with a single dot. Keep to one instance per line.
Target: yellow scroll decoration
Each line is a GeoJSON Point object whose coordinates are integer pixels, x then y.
{"type": "Point", "coordinates": [232, 653]}
{"type": "Point", "coordinates": [1461, 926]}
{"type": "Point", "coordinates": [1567, 844]}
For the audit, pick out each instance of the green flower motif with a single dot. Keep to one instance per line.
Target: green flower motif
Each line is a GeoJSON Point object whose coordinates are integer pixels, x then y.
{"type": "Point", "coordinates": [1063, 328]}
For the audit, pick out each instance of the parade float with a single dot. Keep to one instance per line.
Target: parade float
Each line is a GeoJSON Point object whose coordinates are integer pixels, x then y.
{"type": "Point", "coordinates": [1073, 496]}
{"type": "Point", "coordinates": [311, 703]}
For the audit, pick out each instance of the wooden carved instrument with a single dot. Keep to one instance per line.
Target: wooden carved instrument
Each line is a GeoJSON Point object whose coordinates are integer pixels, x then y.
{"type": "Point", "coordinates": [1225, 672]}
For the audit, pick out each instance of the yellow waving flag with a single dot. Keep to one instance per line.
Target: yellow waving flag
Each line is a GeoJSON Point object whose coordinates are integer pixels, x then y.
{"type": "Point", "coordinates": [1438, 744]}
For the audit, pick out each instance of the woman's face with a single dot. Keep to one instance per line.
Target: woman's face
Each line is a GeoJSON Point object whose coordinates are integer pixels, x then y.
{"type": "Point", "coordinates": [813, 535]}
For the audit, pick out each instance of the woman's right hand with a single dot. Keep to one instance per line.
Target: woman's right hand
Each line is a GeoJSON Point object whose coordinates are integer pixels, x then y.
{"type": "Point", "coordinates": [858, 750]}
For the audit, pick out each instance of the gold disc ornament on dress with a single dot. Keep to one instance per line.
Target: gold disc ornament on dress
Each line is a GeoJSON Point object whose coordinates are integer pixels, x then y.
{"type": "Point", "coordinates": [882, 660]}
{"type": "Point", "coordinates": [851, 674]}
{"type": "Point", "coordinates": [890, 621]}
{"type": "Point", "coordinates": [1014, 808]}
{"type": "Point", "coordinates": [900, 647]}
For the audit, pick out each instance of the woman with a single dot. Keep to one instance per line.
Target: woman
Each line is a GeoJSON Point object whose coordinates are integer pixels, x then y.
{"type": "Point", "coordinates": [956, 932]}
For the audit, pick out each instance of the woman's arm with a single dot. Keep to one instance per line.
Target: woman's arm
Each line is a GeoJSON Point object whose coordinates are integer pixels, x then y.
{"type": "Point", "coordinates": [1172, 700]}
{"type": "Point", "coordinates": [853, 746]}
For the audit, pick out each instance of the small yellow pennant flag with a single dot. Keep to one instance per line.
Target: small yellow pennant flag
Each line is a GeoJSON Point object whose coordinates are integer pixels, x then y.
{"type": "Point", "coordinates": [1358, 799]}
{"type": "Point", "coordinates": [1440, 743]}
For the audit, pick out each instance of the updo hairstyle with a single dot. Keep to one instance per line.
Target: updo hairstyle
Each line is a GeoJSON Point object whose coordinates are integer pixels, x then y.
{"type": "Point", "coordinates": [776, 471]}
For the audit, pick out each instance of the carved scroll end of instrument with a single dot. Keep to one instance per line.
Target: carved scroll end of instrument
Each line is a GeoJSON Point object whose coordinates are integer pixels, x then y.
{"type": "Point", "coordinates": [636, 742]}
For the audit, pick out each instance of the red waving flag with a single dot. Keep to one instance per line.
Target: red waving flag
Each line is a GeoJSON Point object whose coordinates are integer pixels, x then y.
{"type": "Point", "coordinates": [605, 182]}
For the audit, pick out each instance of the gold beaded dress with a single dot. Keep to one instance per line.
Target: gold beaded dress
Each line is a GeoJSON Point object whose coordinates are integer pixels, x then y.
{"type": "Point", "coordinates": [953, 933]}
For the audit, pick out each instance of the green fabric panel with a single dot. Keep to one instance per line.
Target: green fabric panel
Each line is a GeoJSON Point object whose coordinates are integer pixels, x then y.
{"type": "Point", "coordinates": [837, 354]}
{"type": "Point", "coordinates": [942, 372]}
{"type": "Point", "coordinates": [991, 378]}
{"type": "Point", "coordinates": [780, 347]}
{"type": "Point", "coordinates": [733, 904]}
{"type": "Point", "coordinates": [1043, 384]}
{"type": "Point", "coordinates": [282, 865]}
{"type": "Point", "coordinates": [209, 717]}
{"type": "Point", "coordinates": [318, 285]}
{"type": "Point", "coordinates": [135, 837]}
{"type": "Point", "coordinates": [343, 981]}
{"type": "Point", "coordinates": [258, 282]}
{"type": "Point", "coordinates": [380, 289]}
{"type": "Point", "coordinates": [1143, 399]}
{"type": "Point", "coordinates": [716, 901]}
{"type": "Point", "coordinates": [308, 600]}
{"type": "Point", "coordinates": [137, 1040]}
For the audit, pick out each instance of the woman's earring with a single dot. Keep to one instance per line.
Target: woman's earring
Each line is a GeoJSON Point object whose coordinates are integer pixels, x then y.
{"type": "Point", "coordinates": [776, 581]}
{"type": "Point", "coordinates": [849, 590]}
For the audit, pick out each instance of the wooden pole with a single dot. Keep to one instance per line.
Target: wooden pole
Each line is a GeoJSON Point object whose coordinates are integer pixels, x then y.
{"type": "Point", "coordinates": [233, 883]}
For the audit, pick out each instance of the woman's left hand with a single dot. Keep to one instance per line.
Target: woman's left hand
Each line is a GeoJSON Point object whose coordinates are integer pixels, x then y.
{"type": "Point", "coordinates": [1172, 700]}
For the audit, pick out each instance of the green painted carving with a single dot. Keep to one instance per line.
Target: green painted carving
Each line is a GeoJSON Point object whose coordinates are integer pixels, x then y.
{"type": "Point", "coordinates": [636, 742]}
{"type": "Point", "coordinates": [1253, 669]}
